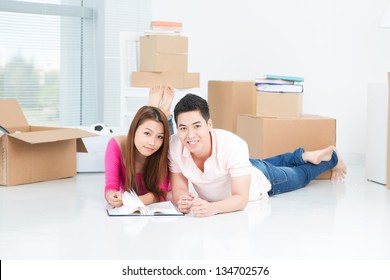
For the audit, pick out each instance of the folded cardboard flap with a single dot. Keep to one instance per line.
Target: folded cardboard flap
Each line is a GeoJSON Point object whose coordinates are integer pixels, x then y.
{"type": "Point", "coordinates": [11, 115]}
{"type": "Point", "coordinates": [52, 135]}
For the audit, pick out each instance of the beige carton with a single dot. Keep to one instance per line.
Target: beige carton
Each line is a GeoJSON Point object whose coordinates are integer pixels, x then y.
{"type": "Point", "coordinates": [160, 53]}
{"type": "Point", "coordinates": [163, 62]}
{"type": "Point", "coordinates": [268, 137]}
{"type": "Point", "coordinates": [35, 153]}
{"type": "Point", "coordinates": [279, 105]}
{"type": "Point", "coordinates": [177, 80]}
{"type": "Point", "coordinates": [164, 44]}
{"type": "Point", "coordinates": [228, 99]}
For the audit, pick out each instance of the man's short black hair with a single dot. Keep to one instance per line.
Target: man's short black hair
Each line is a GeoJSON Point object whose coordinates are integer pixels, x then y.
{"type": "Point", "coordinates": [192, 102]}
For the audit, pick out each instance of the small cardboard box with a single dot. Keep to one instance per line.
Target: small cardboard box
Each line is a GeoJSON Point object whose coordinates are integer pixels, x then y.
{"type": "Point", "coordinates": [279, 105]}
{"type": "Point", "coordinates": [163, 62]}
{"type": "Point", "coordinates": [32, 153]}
{"type": "Point", "coordinates": [388, 135]}
{"type": "Point", "coordinates": [163, 44]}
{"type": "Point", "coordinates": [228, 99]}
{"type": "Point", "coordinates": [268, 137]}
{"type": "Point", "coordinates": [177, 80]}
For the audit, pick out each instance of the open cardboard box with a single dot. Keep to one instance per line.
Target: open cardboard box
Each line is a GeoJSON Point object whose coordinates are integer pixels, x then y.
{"type": "Point", "coordinates": [35, 153]}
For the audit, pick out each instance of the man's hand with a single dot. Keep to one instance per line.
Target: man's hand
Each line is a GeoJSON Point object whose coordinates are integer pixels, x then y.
{"type": "Point", "coordinates": [185, 202]}
{"type": "Point", "coordinates": [202, 208]}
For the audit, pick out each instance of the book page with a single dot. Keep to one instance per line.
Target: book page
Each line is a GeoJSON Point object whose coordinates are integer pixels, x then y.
{"type": "Point", "coordinates": [124, 210]}
{"type": "Point", "coordinates": [131, 205]}
{"type": "Point", "coordinates": [165, 207]}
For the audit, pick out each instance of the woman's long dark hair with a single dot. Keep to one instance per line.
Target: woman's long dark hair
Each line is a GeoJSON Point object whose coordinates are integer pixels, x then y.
{"type": "Point", "coordinates": [156, 165]}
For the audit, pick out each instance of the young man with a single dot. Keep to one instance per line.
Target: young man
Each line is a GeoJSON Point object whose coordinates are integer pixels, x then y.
{"type": "Point", "coordinates": [217, 164]}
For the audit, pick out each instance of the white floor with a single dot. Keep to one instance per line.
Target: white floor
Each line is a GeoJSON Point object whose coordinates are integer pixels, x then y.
{"type": "Point", "coordinates": [65, 219]}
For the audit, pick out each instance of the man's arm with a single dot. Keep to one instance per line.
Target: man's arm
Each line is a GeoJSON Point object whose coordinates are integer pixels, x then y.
{"type": "Point", "coordinates": [181, 197]}
{"type": "Point", "coordinates": [238, 200]}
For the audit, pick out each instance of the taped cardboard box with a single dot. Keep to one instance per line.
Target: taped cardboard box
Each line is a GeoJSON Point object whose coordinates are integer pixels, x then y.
{"type": "Point", "coordinates": [228, 99]}
{"type": "Point", "coordinates": [160, 53]}
{"type": "Point", "coordinates": [268, 137]}
{"type": "Point", "coordinates": [279, 105]}
{"type": "Point", "coordinates": [35, 153]}
{"type": "Point", "coordinates": [163, 44]}
{"type": "Point", "coordinates": [388, 135]}
{"type": "Point", "coordinates": [177, 80]}
{"type": "Point", "coordinates": [163, 62]}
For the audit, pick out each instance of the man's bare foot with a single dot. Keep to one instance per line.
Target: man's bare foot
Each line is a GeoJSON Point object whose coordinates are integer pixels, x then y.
{"type": "Point", "coordinates": [167, 98]}
{"type": "Point", "coordinates": [340, 170]}
{"type": "Point", "coordinates": [316, 157]}
{"type": "Point", "coordinates": [155, 96]}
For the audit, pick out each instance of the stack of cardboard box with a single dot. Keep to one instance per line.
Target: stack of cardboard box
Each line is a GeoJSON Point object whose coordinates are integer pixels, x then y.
{"type": "Point", "coordinates": [164, 59]}
{"type": "Point", "coordinates": [271, 123]}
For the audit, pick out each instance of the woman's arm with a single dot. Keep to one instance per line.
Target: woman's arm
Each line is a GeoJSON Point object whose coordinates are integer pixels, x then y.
{"type": "Point", "coordinates": [113, 174]}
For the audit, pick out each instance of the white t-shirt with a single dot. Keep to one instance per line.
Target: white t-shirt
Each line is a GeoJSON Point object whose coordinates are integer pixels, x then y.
{"type": "Point", "coordinates": [229, 158]}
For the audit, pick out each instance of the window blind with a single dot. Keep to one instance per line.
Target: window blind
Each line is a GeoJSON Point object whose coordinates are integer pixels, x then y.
{"type": "Point", "coordinates": [47, 60]}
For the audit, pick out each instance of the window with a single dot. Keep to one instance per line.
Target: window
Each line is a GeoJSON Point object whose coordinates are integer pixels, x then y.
{"type": "Point", "coordinates": [47, 60]}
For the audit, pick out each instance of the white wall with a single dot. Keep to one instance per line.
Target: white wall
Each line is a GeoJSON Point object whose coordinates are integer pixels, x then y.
{"type": "Point", "coordinates": [114, 17]}
{"type": "Point", "coordinates": [335, 45]}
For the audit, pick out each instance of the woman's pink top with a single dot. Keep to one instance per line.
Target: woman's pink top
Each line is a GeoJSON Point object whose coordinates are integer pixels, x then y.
{"type": "Point", "coordinates": [116, 171]}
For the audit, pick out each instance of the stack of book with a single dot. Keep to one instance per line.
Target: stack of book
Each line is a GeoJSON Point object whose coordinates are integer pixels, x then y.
{"type": "Point", "coordinates": [279, 96]}
{"type": "Point", "coordinates": [281, 84]}
{"type": "Point", "coordinates": [164, 28]}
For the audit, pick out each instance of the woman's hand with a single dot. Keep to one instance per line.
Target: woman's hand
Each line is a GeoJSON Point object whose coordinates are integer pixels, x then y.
{"type": "Point", "coordinates": [114, 198]}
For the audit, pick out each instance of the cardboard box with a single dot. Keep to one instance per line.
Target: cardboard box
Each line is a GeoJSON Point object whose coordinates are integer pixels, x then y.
{"type": "Point", "coordinates": [163, 62]}
{"type": "Point", "coordinates": [268, 137]}
{"type": "Point", "coordinates": [388, 135]}
{"type": "Point", "coordinates": [93, 161]}
{"type": "Point", "coordinates": [376, 142]}
{"type": "Point", "coordinates": [32, 153]}
{"type": "Point", "coordinates": [163, 44]}
{"type": "Point", "coordinates": [228, 99]}
{"type": "Point", "coordinates": [279, 105]}
{"type": "Point", "coordinates": [177, 80]}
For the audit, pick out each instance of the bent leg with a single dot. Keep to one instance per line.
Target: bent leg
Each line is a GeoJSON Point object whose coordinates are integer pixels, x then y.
{"type": "Point", "coordinates": [287, 159]}
{"type": "Point", "coordinates": [286, 178]}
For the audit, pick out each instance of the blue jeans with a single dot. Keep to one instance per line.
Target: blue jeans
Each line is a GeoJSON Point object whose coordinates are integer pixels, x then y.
{"type": "Point", "coordinates": [170, 123]}
{"type": "Point", "coordinates": [289, 172]}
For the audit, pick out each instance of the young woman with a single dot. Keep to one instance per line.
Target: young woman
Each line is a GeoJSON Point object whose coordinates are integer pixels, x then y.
{"type": "Point", "coordinates": [138, 161]}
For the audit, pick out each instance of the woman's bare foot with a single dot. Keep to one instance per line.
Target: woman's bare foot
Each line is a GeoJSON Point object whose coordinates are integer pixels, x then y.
{"type": "Point", "coordinates": [167, 98]}
{"type": "Point", "coordinates": [316, 157]}
{"type": "Point", "coordinates": [155, 96]}
{"type": "Point", "coordinates": [340, 170]}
